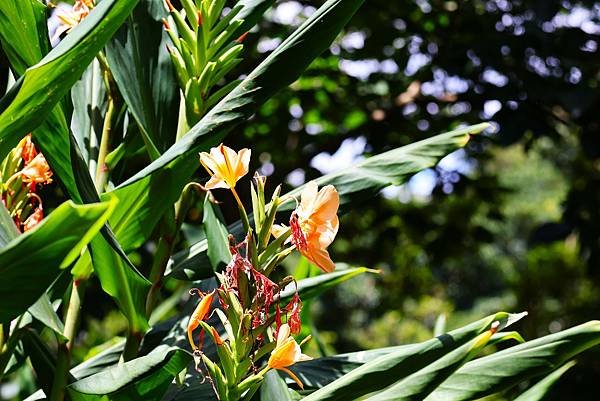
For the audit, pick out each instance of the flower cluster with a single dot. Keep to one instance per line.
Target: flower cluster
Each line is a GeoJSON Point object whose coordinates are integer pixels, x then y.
{"type": "Point", "coordinates": [257, 320]}
{"type": "Point", "coordinates": [22, 173]}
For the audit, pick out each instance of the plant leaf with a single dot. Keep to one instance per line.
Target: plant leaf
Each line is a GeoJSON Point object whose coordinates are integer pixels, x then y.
{"type": "Point", "coordinates": [8, 229]}
{"type": "Point", "coordinates": [43, 311]}
{"type": "Point", "coordinates": [216, 235]}
{"type": "Point", "coordinates": [23, 32]}
{"type": "Point", "coordinates": [538, 391]}
{"type": "Point", "coordinates": [31, 262]}
{"type": "Point", "coordinates": [312, 287]}
{"type": "Point", "coordinates": [274, 388]}
{"type": "Point", "coordinates": [43, 85]}
{"type": "Point", "coordinates": [146, 378]}
{"type": "Point", "coordinates": [504, 369]}
{"type": "Point", "coordinates": [406, 360]}
{"type": "Point", "coordinates": [144, 74]}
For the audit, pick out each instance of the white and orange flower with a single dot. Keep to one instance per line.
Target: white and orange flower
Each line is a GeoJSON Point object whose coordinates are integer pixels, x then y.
{"type": "Point", "coordinates": [314, 224]}
{"type": "Point", "coordinates": [225, 166]}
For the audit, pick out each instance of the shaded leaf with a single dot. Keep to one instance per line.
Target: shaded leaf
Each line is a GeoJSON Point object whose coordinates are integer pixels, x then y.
{"type": "Point", "coordinates": [541, 388]}
{"type": "Point", "coordinates": [504, 369]}
{"type": "Point", "coordinates": [146, 378]}
{"type": "Point", "coordinates": [388, 369]}
{"type": "Point", "coordinates": [35, 259]}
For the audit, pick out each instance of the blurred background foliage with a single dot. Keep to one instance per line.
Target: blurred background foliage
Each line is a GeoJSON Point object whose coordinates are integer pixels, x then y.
{"type": "Point", "coordinates": [512, 223]}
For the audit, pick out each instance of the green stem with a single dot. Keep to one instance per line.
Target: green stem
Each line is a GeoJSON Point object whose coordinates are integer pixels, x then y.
{"type": "Point", "coordinates": [242, 209]}
{"type": "Point", "coordinates": [166, 245]}
{"type": "Point", "coordinates": [63, 360]}
{"type": "Point", "coordinates": [132, 345]}
{"type": "Point", "coordinates": [102, 169]}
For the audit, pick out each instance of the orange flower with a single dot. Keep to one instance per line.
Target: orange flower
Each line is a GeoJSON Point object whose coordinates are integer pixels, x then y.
{"type": "Point", "coordinates": [37, 171]}
{"type": "Point", "coordinates": [199, 315]}
{"type": "Point", "coordinates": [225, 166]}
{"type": "Point", "coordinates": [315, 224]}
{"type": "Point", "coordinates": [28, 151]}
{"type": "Point", "coordinates": [286, 353]}
{"type": "Point", "coordinates": [34, 219]}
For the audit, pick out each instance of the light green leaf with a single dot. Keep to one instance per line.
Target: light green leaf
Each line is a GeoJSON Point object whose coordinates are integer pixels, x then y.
{"type": "Point", "coordinates": [8, 229]}
{"type": "Point", "coordinates": [216, 235]}
{"type": "Point", "coordinates": [146, 378]}
{"type": "Point", "coordinates": [421, 383]}
{"type": "Point", "coordinates": [274, 388]}
{"type": "Point", "coordinates": [126, 285]}
{"type": "Point", "coordinates": [31, 262]}
{"type": "Point", "coordinates": [43, 85]}
{"type": "Point", "coordinates": [43, 311]}
{"type": "Point", "coordinates": [504, 369]}
{"type": "Point", "coordinates": [312, 287]}
{"type": "Point", "coordinates": [23, 32]}
{"type": "Point", "coordinates": [541, 388]}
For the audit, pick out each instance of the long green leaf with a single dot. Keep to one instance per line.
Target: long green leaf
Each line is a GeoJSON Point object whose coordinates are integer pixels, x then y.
{"type": "Point", "coordinates": [274, 388]}
{"type": "Point", "coordinates": [364, 179]}
{"type": "Point", "coordinates": [8, 229]}
{"type": "Point", "coordinates": [281, 68]}
{"type": "Point", "coordinates": [504, 369]}
{"type": "Point", "coordinates": [42, 86]}
{"type": "Point", "coordinates": [146, 378]}
{"type": "Point", "coordinates": [421, 383]}
{"type": "Point", "coordinates": [312, 287]}
{"type": "Point", "coordinates": [216, 235]}
{"type": "Point", "coordinates": [541, 388]}
{"type": "Point", "coordinates": [388, 369]}
{"type": "Point", "coordinates": [144, 74]}
{"type": "Point", "coordinates": [23, 32]}
{"type": "Point", "coordinates": [30, 263]}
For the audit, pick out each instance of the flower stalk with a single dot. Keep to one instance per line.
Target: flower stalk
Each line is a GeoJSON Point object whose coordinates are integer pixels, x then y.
{"type": "Point", "coordinates": [256, 327]}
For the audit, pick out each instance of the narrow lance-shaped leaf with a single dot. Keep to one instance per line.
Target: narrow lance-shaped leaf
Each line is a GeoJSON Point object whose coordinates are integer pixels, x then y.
{"type": "Point", "coordinates": [143, 72]}
{"type": "Point", "coordinates": [392, 367]}
{"type": "Point", "coordinates": [146, 378]}
{"type": "Point", "coordinates": [23, 32]}
{"type": "Point", "coordinates": [504, 369]}
{"type": "Point", "coordinates": [364, 179]}
{"type": "Point", "coordinates": [41, 87]}
{"type": "Point", "coordinates": [539, 391]}
{"type": "Point", "coordinates": [216, 235]}
{"type": "Point", "coordinates": [8, 229]}
{"type": "Point", "coordinates": [31, 262]}
{"type": "Point", "coordinates": [421, 383]}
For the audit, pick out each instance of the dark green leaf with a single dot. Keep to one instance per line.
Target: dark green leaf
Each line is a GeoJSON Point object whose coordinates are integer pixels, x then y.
{"type": "Point", "coordinates": [34, 260]}
{"type": "Point", "coordinates": [143, 72]}
{"type": "Point", "coordinates": [541, 388]}
{"type": "Point", "coordinates": [216, 235]}
{"type": "Point", "coordinates": [146, 378]}
{"type": "Point", "coordinates": [504, 369]}
{"type": "Point", "coordinates": [42, 86]}
{"type": "Point", "coordinates": [274, 388]}
{"type": "Point", "coordinates": [388, 369]}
